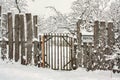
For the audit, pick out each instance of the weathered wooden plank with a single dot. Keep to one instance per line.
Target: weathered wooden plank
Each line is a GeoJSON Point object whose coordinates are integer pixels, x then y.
{"type": "Point", "coordinates": [43, 51]}
{"type": "Point", "coordinates": [110, 39]}
{"type": "Point", "coordinates": [84, 55]}
{"type": "Point", "coordinates": [96, 33]}
{"type": "Point", "coordinates": [40, 48]}
{"type": "Point", "coordinates": [17, 26]}
{"type": "Point", "coordinates": [2, 35]}
{"type": "Point", "coordinates": [29, 37]}
{"type": "Point", "coordinates": [35, 42]}
{"type": "Point", "coordinates": [58, 51]}
{"type": "Point", "coordinates": [102, 35]}
{"type": "Point", "coordinates": [46, 59]}
{"type": "Point", "coordinates": [64, 51]}
{"type": "Point", "coordinates": [10, 35]}
{"type": "Point", "coordinates": [22, 36]}
{"type": "Point", "coordinates": [35, 26]}
{"type": "Point", "coordinates": [52, 63]}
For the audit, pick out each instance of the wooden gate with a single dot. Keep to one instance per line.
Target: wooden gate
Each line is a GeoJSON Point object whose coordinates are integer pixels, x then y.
{"type": "Point", "coordinates": [57, 51]}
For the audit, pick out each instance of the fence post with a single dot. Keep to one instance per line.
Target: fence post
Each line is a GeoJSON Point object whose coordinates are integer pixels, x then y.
{"type": "Point", "coordinates": [17, 24]}
{"type": "Point", "coordinates": [35, 42]}
{"type": "Point", "coordinates": [96, 33]}
{"type": "Point", "coordinates": [85, 54]}
{"type": "Point", "coordinates": [29, 38]}
{"type": "Point", "coordinates": [39, 55]}
{"type": "Point", "coordinates": [22, 36]}
{"type": "Point", "coordinates": [43, 52]}
{"type": "Point", "coordinates": [110, 34]}
{"type": "Point", "coordinates": [2, 34]}
{"type": "Point", "coordinates": [10, 35]}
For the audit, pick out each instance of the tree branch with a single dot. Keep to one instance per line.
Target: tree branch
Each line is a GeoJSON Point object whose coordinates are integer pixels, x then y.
{"type": "Point", "coordinates": [16, 2]}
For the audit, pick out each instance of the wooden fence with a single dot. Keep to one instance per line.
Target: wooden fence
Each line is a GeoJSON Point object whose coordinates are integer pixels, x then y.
{"type": "Point", "coordinates": [21, 30]}
{"type": "Point", "coordinates": [53, 50]}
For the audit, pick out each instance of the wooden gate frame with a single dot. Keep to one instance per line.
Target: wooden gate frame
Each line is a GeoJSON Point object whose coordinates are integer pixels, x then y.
{"type": "Point", "coordinates": [71, 48]}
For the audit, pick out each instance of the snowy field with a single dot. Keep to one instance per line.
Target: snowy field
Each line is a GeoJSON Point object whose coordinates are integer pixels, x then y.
{"type": "Point", "coordinates": [15, 71]}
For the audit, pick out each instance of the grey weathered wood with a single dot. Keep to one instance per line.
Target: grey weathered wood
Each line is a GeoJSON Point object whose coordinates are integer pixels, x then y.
{"type": "Point", "coordinates": [4, 34]}
{"type": "Point", "coordinates": [17, 25]}
{"type": "Point", "coordinates": [35, 26]}
{"type": "Point", "coordinates": [110, 33]}
{"type": "Point", "coordinates": [39, 55]}
{"type": "Point", "coordinates": [102, 34]}
{"type": "Point", "coordinates": [85, 55]}
{"type": "Point", "coordinates": [36, 52]}
{"type": "Point", "coordinates": [22, 36]}
{"type": "Point", "coordinates": [29, 37]}
{"type": "Point", "coordinates": [96, 34]}
{"type": "Point", "coordinates": [10, 35]}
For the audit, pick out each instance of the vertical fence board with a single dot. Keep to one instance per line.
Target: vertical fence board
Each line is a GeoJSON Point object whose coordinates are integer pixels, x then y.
{"type": "Point", "coordinates": [66, 53]}
{"type": "Point", "coordinates": [22, 36]}
{"type": "Point", "coordinates": [35, 42]}
{"type": "Point", "coordinates": [58, 45]}
{"type": "Point", "coordinates": [49, 50]}
{"type": "Point", "coordinates": [35, 26]}
{"type": "Point", "coordinates": [63, 51]}
{"type": "Point", "coordinates": [110, 40]}
{"type": "Point", "coordinates": [10, 35]}
{"type": "Point", "coordinates": [3, 33]}
{"type": "Point", "coordinates": [17, 22]}
{"type": "Point", "coordinates": [61, 43]}
{"type": "Point", "coordinates": [84, 54]}
{"type": "Point", "coordinates": [96, 33]}
{"type": "Point", "coordinates": [40, 51]}
{"type": "Point", "coordinates": [46, 55]}
{"type": "Point", "coordinates": [43, 52]}
{"type": "Point", "coordinates": [71, 52]}
{"type": "Point", "coordinates": [52, 53]}
{"type": "Point", "coordinates": [29, 37]}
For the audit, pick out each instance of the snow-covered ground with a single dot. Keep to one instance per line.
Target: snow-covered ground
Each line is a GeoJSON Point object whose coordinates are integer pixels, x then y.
{"type": "Point", "coordinates": [15, 71]}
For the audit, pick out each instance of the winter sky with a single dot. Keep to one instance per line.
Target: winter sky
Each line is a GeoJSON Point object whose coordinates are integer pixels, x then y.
{"type": "Point", "coordinates": [38, 6]}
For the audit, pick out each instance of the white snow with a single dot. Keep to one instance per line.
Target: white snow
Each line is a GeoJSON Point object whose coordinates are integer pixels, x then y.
{"type": "Point", "coordinates": [35, 39]}
{"type": "Point", "coordinates": [15, 71]}
{"type": "Point", "coordinates": [6, 39]}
